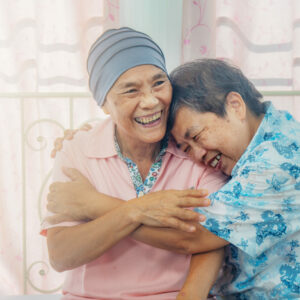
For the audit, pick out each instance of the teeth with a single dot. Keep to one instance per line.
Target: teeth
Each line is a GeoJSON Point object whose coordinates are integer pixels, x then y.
{"type": "Point", "coordinates": [147, 120]}
{"type": "Point", "coordinates": [215, 161]}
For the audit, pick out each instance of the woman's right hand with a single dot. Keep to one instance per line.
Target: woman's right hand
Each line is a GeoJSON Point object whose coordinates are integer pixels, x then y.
{"type": "Point", "coordinates": [170, 208]}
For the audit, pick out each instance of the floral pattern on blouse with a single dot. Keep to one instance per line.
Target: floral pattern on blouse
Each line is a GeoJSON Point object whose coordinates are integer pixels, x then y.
{"type": "Point", "coordinates": [141, 187]}
{"type": "Point", "coordinates": [258, 212]}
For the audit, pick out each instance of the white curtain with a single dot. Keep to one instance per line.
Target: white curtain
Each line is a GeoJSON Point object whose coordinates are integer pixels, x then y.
{"type": "Point", "coordinates": [43, 49]}
{"type": "Point", "coordinates": [262, 37]}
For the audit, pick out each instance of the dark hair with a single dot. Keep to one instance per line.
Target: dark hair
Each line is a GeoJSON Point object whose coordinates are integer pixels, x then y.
{"type": "Point", "coordinates": [204, 84]}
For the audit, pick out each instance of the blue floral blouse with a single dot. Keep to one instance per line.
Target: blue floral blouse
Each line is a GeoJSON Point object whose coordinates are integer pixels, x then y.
{"type": "Point", "coordinates": [258, 212]}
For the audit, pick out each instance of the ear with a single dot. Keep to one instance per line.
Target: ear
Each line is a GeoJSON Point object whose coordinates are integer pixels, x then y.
{"type": "Point", "coordinates": [236, 105]}
{"type": "Point", "coordinates": [105, 108]}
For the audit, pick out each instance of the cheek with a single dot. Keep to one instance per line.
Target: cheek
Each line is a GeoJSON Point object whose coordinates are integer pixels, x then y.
{"type": "Point", "coordinates": [165, 96]}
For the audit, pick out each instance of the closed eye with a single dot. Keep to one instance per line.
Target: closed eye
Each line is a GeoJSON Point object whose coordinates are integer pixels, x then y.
{"type": "Point", "coordinates": [196, 137]}
{"type": "Point", "coordinates": [187, 149]}
{"type": "Point", "coordinates": [130, 91]}
{"type": "Point", "coordinates": [158, 83]}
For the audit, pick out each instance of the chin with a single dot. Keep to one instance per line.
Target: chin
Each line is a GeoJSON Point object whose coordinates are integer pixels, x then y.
{"type": "Point", "coordinates": [154, 138]}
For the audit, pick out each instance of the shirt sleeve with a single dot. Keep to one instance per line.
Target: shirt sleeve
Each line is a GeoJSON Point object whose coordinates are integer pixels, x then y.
{"type": "Point", "coordinates": [259, 206]}
{"type": "Point", "coordinates": [64, 158]}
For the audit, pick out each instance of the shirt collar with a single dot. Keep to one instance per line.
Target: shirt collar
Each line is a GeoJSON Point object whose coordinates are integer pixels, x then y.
{"type": "Point", "coordinates": [161, 153]}
{"type": "Point", "coordinates": [100, 142]}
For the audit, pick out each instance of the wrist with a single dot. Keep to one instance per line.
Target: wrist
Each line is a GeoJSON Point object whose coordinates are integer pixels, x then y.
{"type": "Point", "coordinates": [93, 210]}
{"type": "Point", "coordinates": [134, 211]}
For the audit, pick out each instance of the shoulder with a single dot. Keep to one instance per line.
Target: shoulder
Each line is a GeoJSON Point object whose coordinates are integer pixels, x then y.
{"type": "Point", "coordinates": [88, 142]}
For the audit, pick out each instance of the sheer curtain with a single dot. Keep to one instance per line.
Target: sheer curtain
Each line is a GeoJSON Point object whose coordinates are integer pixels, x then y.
{"type": "Point", "coordinates": [261, 37]}
{"type": "Point", "coordinates": [43, 49]}
{"type": "Point", "coordinates": [43, 80]}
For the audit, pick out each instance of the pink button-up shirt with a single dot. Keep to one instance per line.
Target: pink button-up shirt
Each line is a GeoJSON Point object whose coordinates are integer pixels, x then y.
{"type": "Point", "coordinates": [130, 269]}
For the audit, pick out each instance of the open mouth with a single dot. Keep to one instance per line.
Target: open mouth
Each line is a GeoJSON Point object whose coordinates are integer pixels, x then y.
{"type": "Point", "coordinates": [150, 119]}
{"type": "Point", "coordinates": [215, 161]}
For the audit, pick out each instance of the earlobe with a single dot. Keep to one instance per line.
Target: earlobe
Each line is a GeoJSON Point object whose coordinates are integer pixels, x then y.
{"type": "Point", "coordinates": [236, 104]}
{"type": "Point", "coordinates": [105, 110]}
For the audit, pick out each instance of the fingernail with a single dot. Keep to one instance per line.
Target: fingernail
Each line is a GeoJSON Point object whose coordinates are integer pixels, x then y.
{"type": "Point", "coordinates": [204, 192]}
{"type": "Point", "coordinates": [206, 202]}
{"type": "Point", "coordinates": [201, 218]}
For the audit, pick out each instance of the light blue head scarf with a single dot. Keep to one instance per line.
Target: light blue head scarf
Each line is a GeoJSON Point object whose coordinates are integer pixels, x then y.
{"type": "Point", "coordinates": [116, 51]}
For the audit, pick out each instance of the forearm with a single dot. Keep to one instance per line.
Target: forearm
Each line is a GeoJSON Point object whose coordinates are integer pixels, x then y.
{"type": "Point", "coordinates": [200, 241]}
{"type": "Point", "coordinates": [71, 247]}
{"type": "Point", "coordinates": [204, 270]}
{"type": "Point", "coordinates": [166, 238]}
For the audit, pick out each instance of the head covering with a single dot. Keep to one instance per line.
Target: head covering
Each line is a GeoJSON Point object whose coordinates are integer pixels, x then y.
{"type": "Point", "coordinates": [116, 51]}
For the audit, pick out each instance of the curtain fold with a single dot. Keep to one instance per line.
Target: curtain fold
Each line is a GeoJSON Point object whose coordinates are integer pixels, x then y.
{"type": "Point", "coordinates": [260, 37]}
{"type": "Point", "coordinates": [43, 49]}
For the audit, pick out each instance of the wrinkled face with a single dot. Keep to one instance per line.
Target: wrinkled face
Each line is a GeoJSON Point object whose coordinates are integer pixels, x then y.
{"type": "Point", "coordinates": [139, 103]}
{"type": "Point", "coordinates": [216, 141]}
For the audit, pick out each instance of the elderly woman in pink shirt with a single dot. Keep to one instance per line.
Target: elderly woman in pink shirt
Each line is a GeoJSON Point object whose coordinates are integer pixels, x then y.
{"type": "Point", "coordinates": [136, 244]}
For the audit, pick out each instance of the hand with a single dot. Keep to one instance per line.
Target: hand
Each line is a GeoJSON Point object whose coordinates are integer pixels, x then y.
{"type": "Point", "coordinates": [169, 208]}
{"type": "Point", "coordinates": [68, 135]}
{"type": "Point", "coordinates": [71, 201]}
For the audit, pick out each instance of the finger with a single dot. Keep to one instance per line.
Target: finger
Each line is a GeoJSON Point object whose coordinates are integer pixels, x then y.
{"type": "Point", "coordinates": [52, 187]}
{"type": "Point", "coordinates": [177, 224]}
{"type": "Point", "coordinates": [50, 197]}
{"type": "Point", "coordinates": [72, 173]}
{"type": "Point", "coordinates": [195, 193]}
{"type": "Point", "coordinates": [193, 202]}
{"type": "Point", "coordinates": [187, 215]}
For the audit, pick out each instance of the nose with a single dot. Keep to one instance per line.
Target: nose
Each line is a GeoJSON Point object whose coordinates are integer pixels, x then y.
{"type": "Point", "coordinates": [198, 153]}
{"type": "Point", "coordinates": [148, 101]}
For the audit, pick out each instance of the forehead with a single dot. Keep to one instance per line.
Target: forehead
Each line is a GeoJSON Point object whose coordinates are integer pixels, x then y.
{"type": "Point", "coordinates": [189, 121]}
{"type": "Point", "coordinates": [186, 120]}
{"type": "Point", "coordinates": [139, 73]}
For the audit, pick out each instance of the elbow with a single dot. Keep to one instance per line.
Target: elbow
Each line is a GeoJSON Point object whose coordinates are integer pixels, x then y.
{"type": "Point", "coordinates": [58, 258]}
{"type": "Point", "coordinates": [59, 264]}
{"type": "Point", "coordinates": [57, 267]}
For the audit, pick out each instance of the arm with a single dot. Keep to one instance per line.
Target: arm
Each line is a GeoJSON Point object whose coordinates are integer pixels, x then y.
{"type": "Point", "coordinates": [85, 242]}
{"type": "Point", "coordinates": [70, 247]}
{"type": "Point", "coordinates": [204, 270]}
{"type": "Point", "coordinates": [79, 199]}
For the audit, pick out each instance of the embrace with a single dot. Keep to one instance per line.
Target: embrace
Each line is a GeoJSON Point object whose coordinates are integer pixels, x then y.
{"type": "Point", "coordinates": [120, 220]}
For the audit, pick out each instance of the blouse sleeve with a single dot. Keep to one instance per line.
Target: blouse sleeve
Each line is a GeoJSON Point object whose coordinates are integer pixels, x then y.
{"type": "Point", "coordinates": [259, 206]}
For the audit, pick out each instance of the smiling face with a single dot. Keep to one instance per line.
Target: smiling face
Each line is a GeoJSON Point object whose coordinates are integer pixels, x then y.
{"type": "Point", "coordinates": [138, 103]}
{"type": "Point", "coordinates": [218, 142]}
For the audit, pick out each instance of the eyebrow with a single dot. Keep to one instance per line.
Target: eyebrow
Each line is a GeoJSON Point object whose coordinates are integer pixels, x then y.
{"type": "Point", "coordinates": [134, 83]}
{"type": "Point", "coordinates": [187, 135]}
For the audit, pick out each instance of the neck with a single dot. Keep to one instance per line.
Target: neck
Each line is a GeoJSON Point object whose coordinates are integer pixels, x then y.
{"type": "Point", "coordinates": [254, 123]}
{"type": "Point", "coordinates": [136, 150]}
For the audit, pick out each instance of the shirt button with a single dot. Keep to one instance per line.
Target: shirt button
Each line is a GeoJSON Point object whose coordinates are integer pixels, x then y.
{"type": "Point", "coordinates": [141, 193]}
